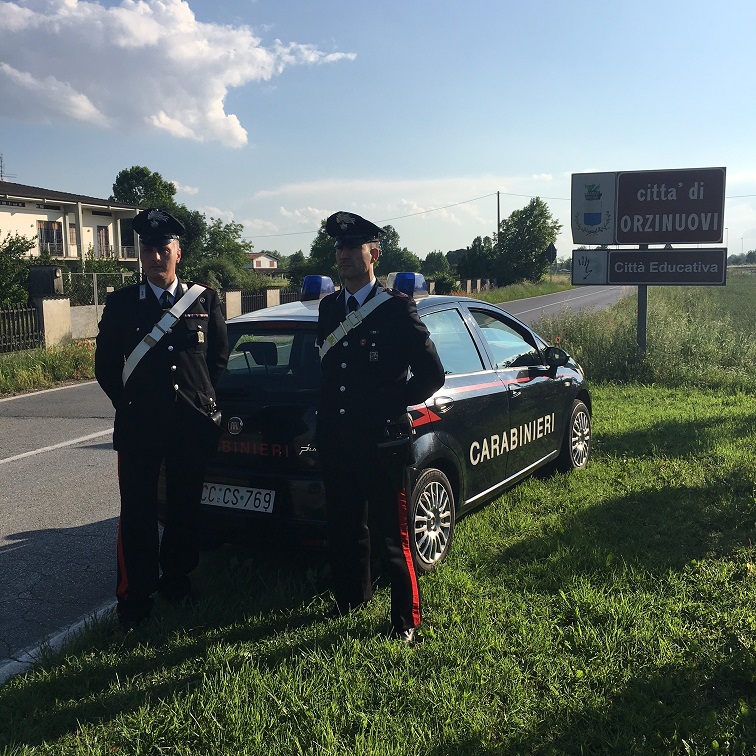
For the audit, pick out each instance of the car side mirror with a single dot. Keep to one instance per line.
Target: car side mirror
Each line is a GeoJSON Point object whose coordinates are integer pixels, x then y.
{"type": "Point", "coordinates": [556, 356]}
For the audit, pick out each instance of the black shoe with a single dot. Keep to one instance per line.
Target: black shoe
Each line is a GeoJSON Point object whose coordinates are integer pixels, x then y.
{"type": "Point", "coordinates": [408, 636]}
{"type": "Point", "coordinates": [132, 613]}
{"type": "Point", "coordinates": [128, 625]}
{"type": "Point", "coordinates": [176, 588]}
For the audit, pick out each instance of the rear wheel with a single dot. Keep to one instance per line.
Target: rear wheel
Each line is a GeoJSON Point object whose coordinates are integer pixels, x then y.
{"type": "Point", "coordinates": [431, 519]}
{"type": "Point", "coordinates": [576, 445]}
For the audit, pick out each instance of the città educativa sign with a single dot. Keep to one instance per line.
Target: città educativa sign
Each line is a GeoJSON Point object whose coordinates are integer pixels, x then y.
{"type": "Point", "coordinates": [662, 267]}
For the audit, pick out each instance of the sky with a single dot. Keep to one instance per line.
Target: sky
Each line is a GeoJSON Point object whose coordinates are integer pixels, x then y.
{"type": "Point", "coordinates": [433, 116]}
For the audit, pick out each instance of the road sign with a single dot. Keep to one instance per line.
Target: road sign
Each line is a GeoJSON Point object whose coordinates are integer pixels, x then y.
{"type": "Point", "coordinates": [663, 267]}
{"type": "Point", "coordinates": [648, 207]}
{"type": "Point", "coordinates": [682, 206]}
{"type": "Point", "coordinates": [551, 252]}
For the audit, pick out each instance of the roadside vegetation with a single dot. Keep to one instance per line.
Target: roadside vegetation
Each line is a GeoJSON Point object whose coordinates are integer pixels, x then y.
{"type": "Point", "coordinates": [609, 611]}
{"type": "Point", "coordinates": [41, 368]}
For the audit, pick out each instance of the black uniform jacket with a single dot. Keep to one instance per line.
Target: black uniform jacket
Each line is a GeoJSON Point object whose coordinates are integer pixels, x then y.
{"type": "Point", "coordinates": [365, 373]}
{"type": "Point", "coordinates": [184, 366]}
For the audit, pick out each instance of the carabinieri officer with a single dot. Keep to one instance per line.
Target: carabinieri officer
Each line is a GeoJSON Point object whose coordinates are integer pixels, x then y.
{"type": "Point", "coordinates": [161, 380]}
{"type": "Point", "coordinates": [363, 430]}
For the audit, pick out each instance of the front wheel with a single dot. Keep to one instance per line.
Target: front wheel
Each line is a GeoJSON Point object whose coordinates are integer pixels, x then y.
{"type": "Point", "coordinates": [431, 520]}
{"type": "Point", "coordinates": [576, 445]}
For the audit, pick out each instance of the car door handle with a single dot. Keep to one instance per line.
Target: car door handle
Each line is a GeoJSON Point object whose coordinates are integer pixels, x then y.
{"type": "Point", "coordinates": [443, 403]}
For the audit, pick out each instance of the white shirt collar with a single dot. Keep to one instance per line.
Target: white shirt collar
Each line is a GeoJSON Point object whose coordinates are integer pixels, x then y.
{"type": "Point", "coordinates": [158, 292]}
{"type": "Point", "coordinates": [361, 295]}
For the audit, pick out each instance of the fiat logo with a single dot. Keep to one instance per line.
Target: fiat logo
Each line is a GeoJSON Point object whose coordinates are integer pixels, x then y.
{"type": "Point", "coordinates": [235, 425]}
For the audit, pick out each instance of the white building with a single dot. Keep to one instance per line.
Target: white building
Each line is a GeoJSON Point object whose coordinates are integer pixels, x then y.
{"type": "Point", "coordinates": [66, 225]}
{"type": "Point", "coordinates": [262, 262]}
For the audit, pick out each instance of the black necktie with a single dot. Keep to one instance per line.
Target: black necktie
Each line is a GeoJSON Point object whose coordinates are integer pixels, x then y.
{"type": "Point", "coordinates": [352, 303]}
{"type": "Point", "coordinates": [165, 301]}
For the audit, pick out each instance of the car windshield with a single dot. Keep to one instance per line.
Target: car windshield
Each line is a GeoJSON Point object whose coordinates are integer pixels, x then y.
{"type": "Point", "coordinates": [270, 360]}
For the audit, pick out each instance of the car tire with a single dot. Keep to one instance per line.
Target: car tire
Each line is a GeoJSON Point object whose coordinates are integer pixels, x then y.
{"type": "Point", "coordinates": [576, 444]}
{"type": "Point", "coordinates": [431, 520]}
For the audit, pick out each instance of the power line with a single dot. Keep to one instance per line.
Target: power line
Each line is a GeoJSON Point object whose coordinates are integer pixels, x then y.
{"type": "Point", "coordinates": [409, 215]}
{"type": "Point", "coordinates": [436, 209]}
{"type": "Point", "coordinates": [444, 207]}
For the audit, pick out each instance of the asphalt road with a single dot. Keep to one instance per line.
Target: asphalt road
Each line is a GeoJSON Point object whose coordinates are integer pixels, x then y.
{"type": "Point", "coordinates": [530, 310]}
{"type": "Point", "coordinates": [59, 500]}
{"type": "Point", "coordinates": [58, 512]}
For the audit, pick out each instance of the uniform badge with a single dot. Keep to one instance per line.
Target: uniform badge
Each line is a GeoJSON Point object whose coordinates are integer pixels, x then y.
{"type": "Point", "coordinates": [156, 217]}
{"type": "Point", "coordinates": [363, 342]}
{"type": "Point", "coordinates": [373, 356]}
{"type": "Point", "coordinates": [142, 292]}
{"type": "Point", "coordinates": [345, 220]}
{"type": "Point", "coordinates": [200, 337]}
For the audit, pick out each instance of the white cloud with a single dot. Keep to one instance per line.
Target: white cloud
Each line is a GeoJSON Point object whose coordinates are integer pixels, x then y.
{"type": "Point", "coordinates": [215, 212]}
{"type": "Point", "coordinates": [183, 189]}
{"type": "Point", "coordinates": [259, 226]}
{"type": "Point", "coordinates": [148, 62]}
{"type": "Point", "coordinates": [46, 97]}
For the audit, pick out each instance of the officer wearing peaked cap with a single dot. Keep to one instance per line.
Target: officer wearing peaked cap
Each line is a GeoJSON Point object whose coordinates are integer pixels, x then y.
{"type": "Point", "coordinates": [363, 430]}
{"type": "Point", "coordinates": [161, 349]}
{"type": "Point", "coordinates": [155, 225]}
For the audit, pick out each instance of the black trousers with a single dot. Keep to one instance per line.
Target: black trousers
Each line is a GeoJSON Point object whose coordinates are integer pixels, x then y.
{"type": "Point", "coordinates": [366, 504]}
{"type": "Point", "coordinates": [141, 552]}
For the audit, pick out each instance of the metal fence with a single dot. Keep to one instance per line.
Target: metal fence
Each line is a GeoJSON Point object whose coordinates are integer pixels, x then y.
{"type": "Point", "coordinates": [20, 329]}
{"type": "Point", "coordinates": [290, 295]}
{"type": "Point", "coordinates": [253, 300]}
{"type": "Point", "coordinates": [93, 288]}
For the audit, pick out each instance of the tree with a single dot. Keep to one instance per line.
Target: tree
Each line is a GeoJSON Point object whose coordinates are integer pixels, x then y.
{"type": "Point", "coordinates": [521, 243]}
{"type": "Point", "coordinates": [138, 185]}
{"type": "Point", "coordinates": [297, 268]}
{"type": "Point", "coordinates": [436, 268]}
{"type": "Point", "coordinates": [478, 259]}
{"type": "Point", "coordinates": [214, 252]}
{"type": "Point", "coordinates": [435, 265]}
{"type": "Point", "coordinates": [453, 257]}
{"type": "Point", "coordinates": [14, 269]}
{"type": "Point", "coordinates": [394, 258]}
{"type": "Point", "coordinates": [322, 260]}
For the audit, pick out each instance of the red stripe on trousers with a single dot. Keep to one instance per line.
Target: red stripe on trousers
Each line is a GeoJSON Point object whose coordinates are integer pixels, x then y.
{"type": "Point", "coordinates": [123, 584]}
{"type": "Point", "coordinates": [404, 533]}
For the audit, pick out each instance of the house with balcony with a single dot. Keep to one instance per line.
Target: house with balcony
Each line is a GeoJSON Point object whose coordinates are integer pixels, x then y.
{"type": "Point", "coordinates": [65, 225]}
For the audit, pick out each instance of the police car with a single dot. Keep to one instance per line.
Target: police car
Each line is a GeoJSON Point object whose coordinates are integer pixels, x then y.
{"type": "Point", "coordinates": [510, 404]}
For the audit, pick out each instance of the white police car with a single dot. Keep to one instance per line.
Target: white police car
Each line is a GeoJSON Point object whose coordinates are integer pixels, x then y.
{"type": "Point", "coordinates": [510, 405]}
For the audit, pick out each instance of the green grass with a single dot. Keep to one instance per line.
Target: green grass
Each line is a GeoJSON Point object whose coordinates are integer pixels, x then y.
{"type": "Point", "coordinates": [548, 285]}
{"type": "Point", "coordinates": [610, 611]}
{"type": "Point", "coordinates": [42, 368]}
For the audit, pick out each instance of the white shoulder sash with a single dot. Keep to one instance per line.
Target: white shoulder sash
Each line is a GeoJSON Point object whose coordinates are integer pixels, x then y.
{"type": "Point", "coordinates": [353, 319]}
{"type": "Point", "coordinates": [160, 328]}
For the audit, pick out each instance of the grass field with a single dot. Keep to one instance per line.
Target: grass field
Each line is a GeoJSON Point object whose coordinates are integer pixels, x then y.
{"type": "Point", "coordinates": [610, 611]}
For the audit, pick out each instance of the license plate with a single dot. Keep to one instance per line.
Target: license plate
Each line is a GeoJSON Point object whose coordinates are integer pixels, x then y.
{"type": "Point", "coordinates": [238, 497]}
